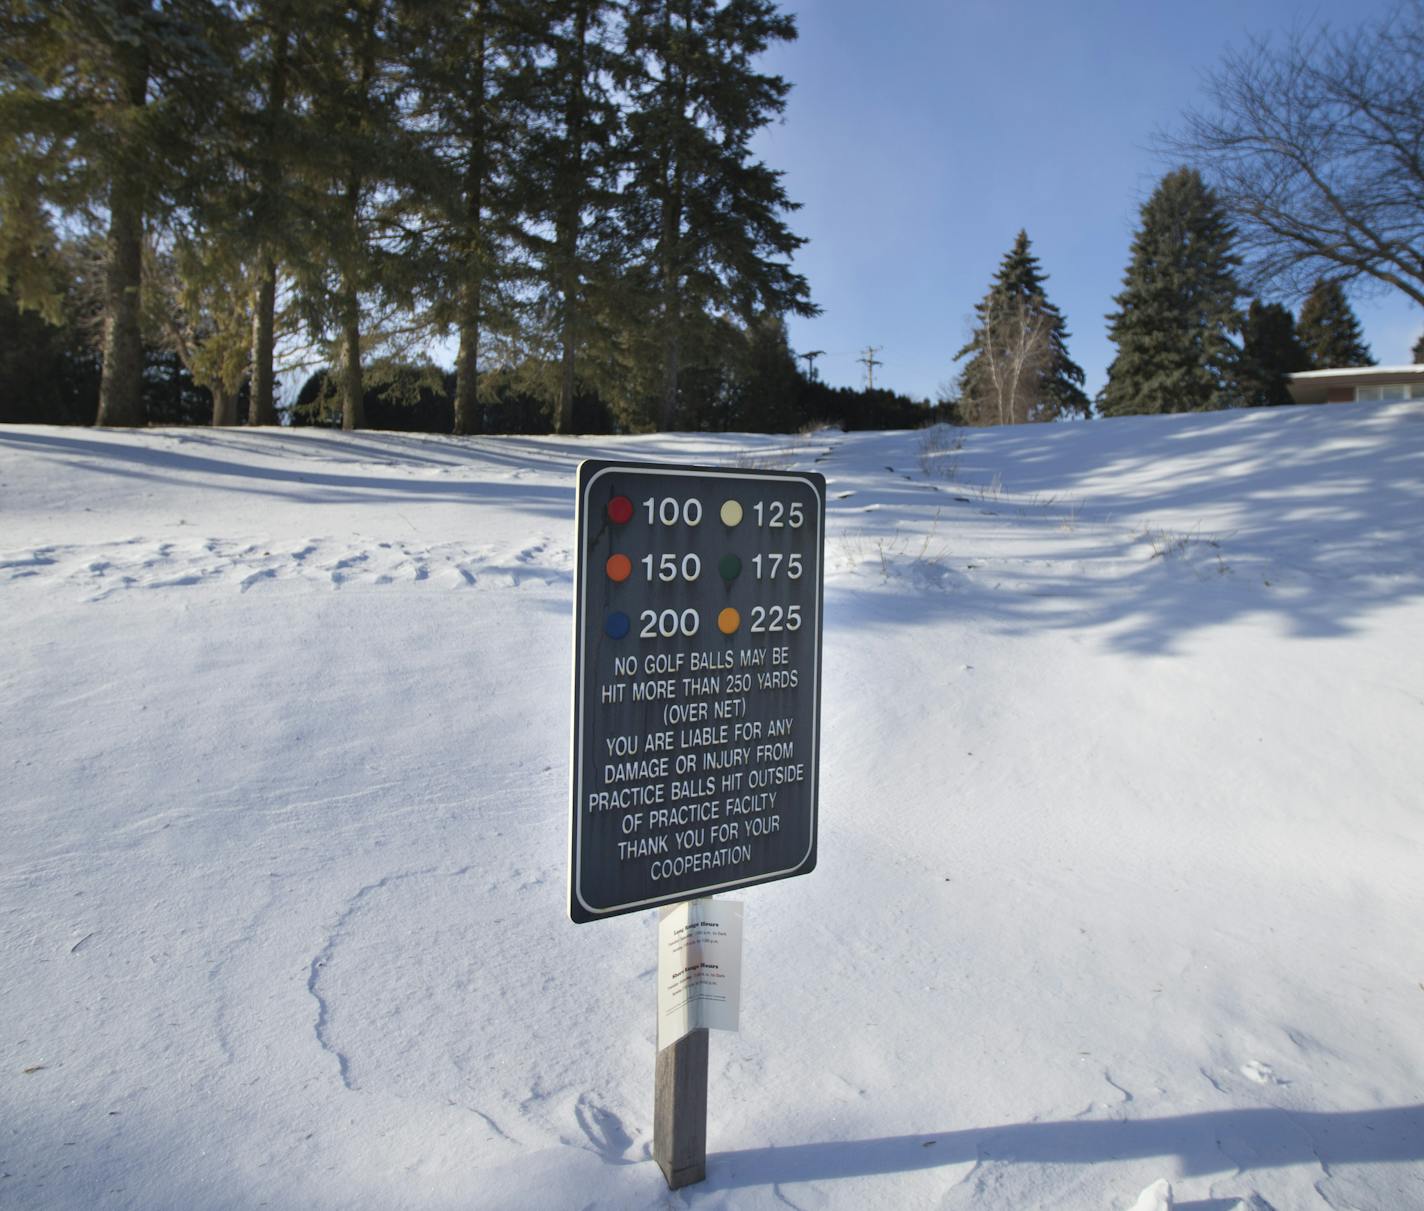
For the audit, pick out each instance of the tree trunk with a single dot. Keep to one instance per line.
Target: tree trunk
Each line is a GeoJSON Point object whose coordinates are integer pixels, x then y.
{"type": "Point", "coordinates": [670, 240]}
{"type": "Point", "coordinates": [224, 405]}
{"type": "Point", "coordinates": [566, 380]}
{"type": "Point", "coordinates": [353, 410]}
{"type": "Point", "coordinates": [672, 306]}
{"type": "Point", "coordinates": [262, 407]}
{"type": "Point", "coordinates": [353, 413]}
{"type": "Point", "coordinates": [121, 380]}
{"type": "Point", "coordinates": [468, 418]}
{"type": "Point", "coordinates": [467, 365]}
{"type": "Point", "coordinates": [567, 237]}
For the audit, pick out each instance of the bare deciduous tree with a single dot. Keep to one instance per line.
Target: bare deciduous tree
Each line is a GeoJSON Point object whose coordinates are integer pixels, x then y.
{"type": "Point", "coordinates": [1316, 148]}
{"type": "Point", "coordinates": [1017, 352]}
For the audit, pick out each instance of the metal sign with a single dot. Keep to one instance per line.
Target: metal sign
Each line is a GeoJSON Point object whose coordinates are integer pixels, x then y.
{"type": "Point", "coordinates": [697, 682]}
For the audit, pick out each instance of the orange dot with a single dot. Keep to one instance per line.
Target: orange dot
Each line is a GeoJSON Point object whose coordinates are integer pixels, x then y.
{"type": "Point", "coordinates": [728, 621]}
{"type": "Point", "coordinates": [618, 567]}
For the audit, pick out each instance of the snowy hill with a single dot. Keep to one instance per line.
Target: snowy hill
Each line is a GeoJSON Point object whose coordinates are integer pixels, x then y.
{"type": "Point", "coordinates": [1122, 829]}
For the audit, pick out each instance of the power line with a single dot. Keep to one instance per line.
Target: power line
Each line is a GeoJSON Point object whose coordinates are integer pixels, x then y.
{"type": "Point", "coordinates": [811, 361]}
{"type": "Point", "coordinates": [868, 357]}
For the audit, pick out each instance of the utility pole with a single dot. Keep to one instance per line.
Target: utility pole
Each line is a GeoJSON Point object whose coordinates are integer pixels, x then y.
{"type": "Point", "coordinates": [811, 362]}
{"type": "Point", "coordinates": [868, 357]}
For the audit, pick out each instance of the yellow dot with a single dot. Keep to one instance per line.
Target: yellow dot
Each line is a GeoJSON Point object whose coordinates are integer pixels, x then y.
{"type": "Point", "coordinates": [731, 515]}
{"type": "Point", "coordinates": [728, 621]}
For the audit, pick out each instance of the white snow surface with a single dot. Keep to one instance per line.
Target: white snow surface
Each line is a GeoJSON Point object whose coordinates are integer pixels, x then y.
{"type": "Point", "coordinates": [1121, 869]}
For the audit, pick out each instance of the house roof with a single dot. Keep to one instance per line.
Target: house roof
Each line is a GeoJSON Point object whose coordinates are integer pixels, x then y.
{"type": "Point", "coordinates": [1316, 386]}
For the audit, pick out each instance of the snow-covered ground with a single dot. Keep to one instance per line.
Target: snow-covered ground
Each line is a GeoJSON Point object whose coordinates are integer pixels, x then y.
{"type": "Point", "coordinates": [1121, 882]}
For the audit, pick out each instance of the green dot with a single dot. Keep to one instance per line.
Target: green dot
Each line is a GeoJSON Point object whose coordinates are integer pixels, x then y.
{"type": "Point", "coordinates": [730, 567]}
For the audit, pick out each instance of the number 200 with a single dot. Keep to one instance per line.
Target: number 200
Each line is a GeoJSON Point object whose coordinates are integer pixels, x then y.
{"type": "Point", "coordinates": [667, 623]}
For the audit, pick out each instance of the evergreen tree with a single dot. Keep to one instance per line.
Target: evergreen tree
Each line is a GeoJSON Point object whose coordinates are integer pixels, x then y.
{"type": "Point", "coordinates": [267, 147]}
{"type": "Point", "coordinates": [49, 373]}
{"type": "Point", "coordinates": [1270, 353]}
{"type": "Point", "coordinates": [171, 397]}
{"type": "Point", "coordinates": [1329, 330]}
{"type": "Point", "coordinates": [574, 151]}
{"type": "Point", "coordinates": [1177, 309]}
{"type": "Point", "coordinates": [703, 217]}
{"type": "Point", "coordinates": [767, 399]}
{"type": "Point", "coordinates": [467, 69]}
{"type": "Point", "coordinates": [356, 282]}
{"type": "Point", "coordinates": [1417, 353]}
{"type": "Point", "coordinates": [1016, 320]}
{"type": "Point", "coordinates": [198, 308]}
{"type": "Point", "coordinates": [101, 105]}
{"type": "Point", "coordinates": [749, 385]}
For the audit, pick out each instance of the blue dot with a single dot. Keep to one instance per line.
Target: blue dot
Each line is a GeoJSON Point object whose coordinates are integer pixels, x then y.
{"type": "Point", "coordinates": [617, 625]}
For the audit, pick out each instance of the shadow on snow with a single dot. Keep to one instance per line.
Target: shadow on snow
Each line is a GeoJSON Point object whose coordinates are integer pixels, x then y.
{"type": "Point", "coordinates": [1153, 527]}
{"type": "Point", "coordinates": [1213, 1142]}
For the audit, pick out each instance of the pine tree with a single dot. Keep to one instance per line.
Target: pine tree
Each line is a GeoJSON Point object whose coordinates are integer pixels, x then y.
{"type": "Point", "coordinates": [1017, 324]}
{"type": "Point", "coordinates": [1329, 330]}
{"type": "Point", "coordinates": [101, 105]}
{"type": "Point", "coordinates": [574, 151]}
{"type": "Point", "coordinates": [467, 69]}
{"type": "Point", "coordinates": [1177, 309]}
{"type": "Point", "coordinates": [273, 30]}
{"type": "Point", "coordinates": [702, 215]}
{"type": "Point", "coordinates": [356, 282]}
{"type": "Point", "coordinates": [749, 383]}
{"type": "Point", "coordinates": [1270, 353]}
{"type": "Point", "coordinates": [49, 372]}
{"type": "Point", "coordinates": [767, 395]}
{"type": "Point", "coordinates": [1417, 353]}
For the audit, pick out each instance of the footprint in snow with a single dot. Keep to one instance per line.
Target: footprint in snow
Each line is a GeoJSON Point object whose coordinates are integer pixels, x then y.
{"type": "Point", "coordinates": [603, 1129]}
{"type": "Point", "coordinates": [1157, 1197]}
{"type": "Point", "coordinates": [1261, 1073]}
{"type": "Point", "coordinates": [29, 561]}
{"type": "Point", "coordinates": [342, 566]}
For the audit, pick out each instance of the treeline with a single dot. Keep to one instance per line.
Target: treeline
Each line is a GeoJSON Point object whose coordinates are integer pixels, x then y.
{"type": "Point", "coordinates": [767, 396]}
{"type": "Point", "coordinates": [1189, 338]}
{"type": "Point", "coordinates": [562, 192]}
{"type": "Point", "coordinates": [49, 374]}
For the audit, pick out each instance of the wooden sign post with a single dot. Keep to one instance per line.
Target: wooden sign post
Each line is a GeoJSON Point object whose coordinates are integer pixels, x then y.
{"type": "Point", "coordinates": [696, 716]}
{"type": "Point", "coordinates": [680, 1110]}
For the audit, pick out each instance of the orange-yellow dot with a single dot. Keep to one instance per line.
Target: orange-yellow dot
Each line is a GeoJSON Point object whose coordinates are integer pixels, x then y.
{"type": "Point", "coordinates": [728, 621]}
{"type": "Point", "coordinates": [618, 567]}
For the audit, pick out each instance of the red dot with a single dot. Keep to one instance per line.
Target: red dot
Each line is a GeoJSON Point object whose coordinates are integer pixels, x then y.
{"type": "Point", "coordinates": [620, 510]}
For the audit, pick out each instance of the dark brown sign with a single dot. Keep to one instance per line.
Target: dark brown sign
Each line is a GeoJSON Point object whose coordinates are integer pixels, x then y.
{"type": "Point", "coordinates": [697, 682]}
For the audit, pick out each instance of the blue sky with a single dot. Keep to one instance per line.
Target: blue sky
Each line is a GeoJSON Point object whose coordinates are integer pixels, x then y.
{"type": "Point", "coordinates": [921, 136]}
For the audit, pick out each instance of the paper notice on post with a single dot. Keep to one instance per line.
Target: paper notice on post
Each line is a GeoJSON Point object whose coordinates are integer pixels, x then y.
{"type": "Point", "coordinates": [699, 967]}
